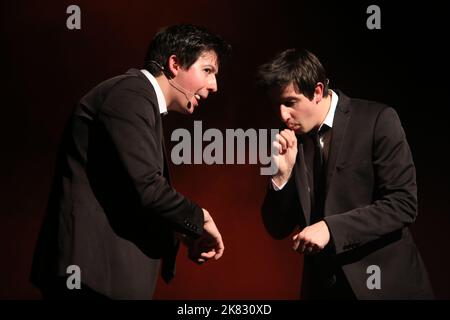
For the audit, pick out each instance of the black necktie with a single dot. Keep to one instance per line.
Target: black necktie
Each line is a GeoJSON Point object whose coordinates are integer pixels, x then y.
{"type": "Point", "coordinates": [318, 178]}
{"type": "Point", "coordinates": [169, 262]}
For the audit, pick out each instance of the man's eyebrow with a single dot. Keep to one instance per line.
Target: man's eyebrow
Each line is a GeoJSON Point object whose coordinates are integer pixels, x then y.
{"type": "Point", "coordinates": [289, 98]}
{"type": "Point", "coordinates": [211, 66]}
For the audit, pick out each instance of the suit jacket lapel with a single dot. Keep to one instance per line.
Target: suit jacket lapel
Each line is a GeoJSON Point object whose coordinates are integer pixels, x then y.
{"type": "Point", "coordinates": [166, 171]}
{"type": "Point", "coordinates": [340, 122]}
{"type": "Point", "coordinates": [165, 164]}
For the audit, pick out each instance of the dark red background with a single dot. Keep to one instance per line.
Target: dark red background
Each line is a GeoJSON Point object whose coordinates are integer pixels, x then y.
{"type": "Point", "coordinates": [46, 68]}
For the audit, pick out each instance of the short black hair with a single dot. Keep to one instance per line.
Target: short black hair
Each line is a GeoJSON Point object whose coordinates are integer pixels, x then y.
{"type": "Point", "coordinates": [187, 42]}
{"type": "Point", "coordinates": [298, 66]}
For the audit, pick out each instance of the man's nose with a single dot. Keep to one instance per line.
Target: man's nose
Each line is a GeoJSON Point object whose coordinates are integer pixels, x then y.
{"type": "Point", "coordinates": [212, 84]}
{"type": "Point", "coordinates": [284, 113]}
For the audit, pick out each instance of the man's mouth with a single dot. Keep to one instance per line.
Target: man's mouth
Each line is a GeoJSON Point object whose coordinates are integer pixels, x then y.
{"type": "Point", "coordinates": [198, 98]}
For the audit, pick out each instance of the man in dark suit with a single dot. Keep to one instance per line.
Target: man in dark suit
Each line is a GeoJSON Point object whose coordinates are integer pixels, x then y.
{"type": "Point", "coordinates": [112, 213]}
{"type": "Point", "coordinates": [346, 178]}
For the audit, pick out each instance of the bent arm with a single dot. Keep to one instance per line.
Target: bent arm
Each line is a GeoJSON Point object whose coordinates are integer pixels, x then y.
{"type": "Point", "coordinates": [281, 210]}
{"type": "Point", "coordinates": [129, 121]}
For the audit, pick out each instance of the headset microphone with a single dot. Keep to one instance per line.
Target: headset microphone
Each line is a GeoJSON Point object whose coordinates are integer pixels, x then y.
{"type": "Point", "coordinates": [176, 85]}
{"type": "Point", "coordinates": [188, 94]}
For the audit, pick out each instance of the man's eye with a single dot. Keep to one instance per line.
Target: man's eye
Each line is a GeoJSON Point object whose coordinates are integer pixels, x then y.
{"type": "Point", "coordinates": [289, 104]}
{"type": "Point", "coordinates": [208, 71]}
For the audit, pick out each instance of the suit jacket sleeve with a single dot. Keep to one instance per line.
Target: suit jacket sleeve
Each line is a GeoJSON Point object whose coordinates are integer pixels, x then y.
{"type": "Point", "coordinates": [281, 210]}
{"type": "Point", "coordinates": [395, 190]}
{"type": "Point", "coordinates": [129, 118]}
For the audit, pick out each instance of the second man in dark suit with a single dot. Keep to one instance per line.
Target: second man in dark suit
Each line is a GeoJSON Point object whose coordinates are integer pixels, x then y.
{"type": "Point", "coordinates": [346, 179]}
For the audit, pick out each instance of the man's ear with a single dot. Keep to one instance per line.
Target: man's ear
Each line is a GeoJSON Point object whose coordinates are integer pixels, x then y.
{"type": "Point", "coordinates": [174, 65]}
{"type": "Point", "coordinates": [318, 92]}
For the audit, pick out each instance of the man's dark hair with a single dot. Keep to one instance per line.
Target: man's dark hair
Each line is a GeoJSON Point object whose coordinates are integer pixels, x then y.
{"type": "Point", "coordinates": [185, 41]}
{"type": "Point", "coordinates": [298, 66]}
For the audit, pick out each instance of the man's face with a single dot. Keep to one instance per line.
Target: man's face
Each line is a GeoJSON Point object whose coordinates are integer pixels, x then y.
{"type": "Point", "coordinates": [199, 80]}
{"type": "Point", "coordinates": [296, 110]}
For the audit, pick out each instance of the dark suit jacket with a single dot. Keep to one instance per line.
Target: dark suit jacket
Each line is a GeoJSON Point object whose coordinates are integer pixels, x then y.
{"type": "Point", "coordinates": [371, 198]}
{"type": "Point", "coordinates": [111, 210]}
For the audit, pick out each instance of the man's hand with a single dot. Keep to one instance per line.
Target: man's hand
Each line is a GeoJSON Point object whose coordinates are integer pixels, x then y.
{"type": "Point", "coordinates": [312, 239]}
{"type": "Point", "coordinates": [286, 144]}
{"type": "Point", "coordinates": [207, 246]}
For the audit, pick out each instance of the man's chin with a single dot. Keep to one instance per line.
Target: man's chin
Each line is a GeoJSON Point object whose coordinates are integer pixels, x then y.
{"type": "Point", "coordinates": [185, 109]}
{"type": "Point", "coordinates": [189, 109]}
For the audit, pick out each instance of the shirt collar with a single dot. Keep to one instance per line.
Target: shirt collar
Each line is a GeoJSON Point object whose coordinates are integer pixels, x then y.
{"type": "Point", "coordinates": [330, 115]}
{"type": "Point", "coordinates": [159, 94]}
